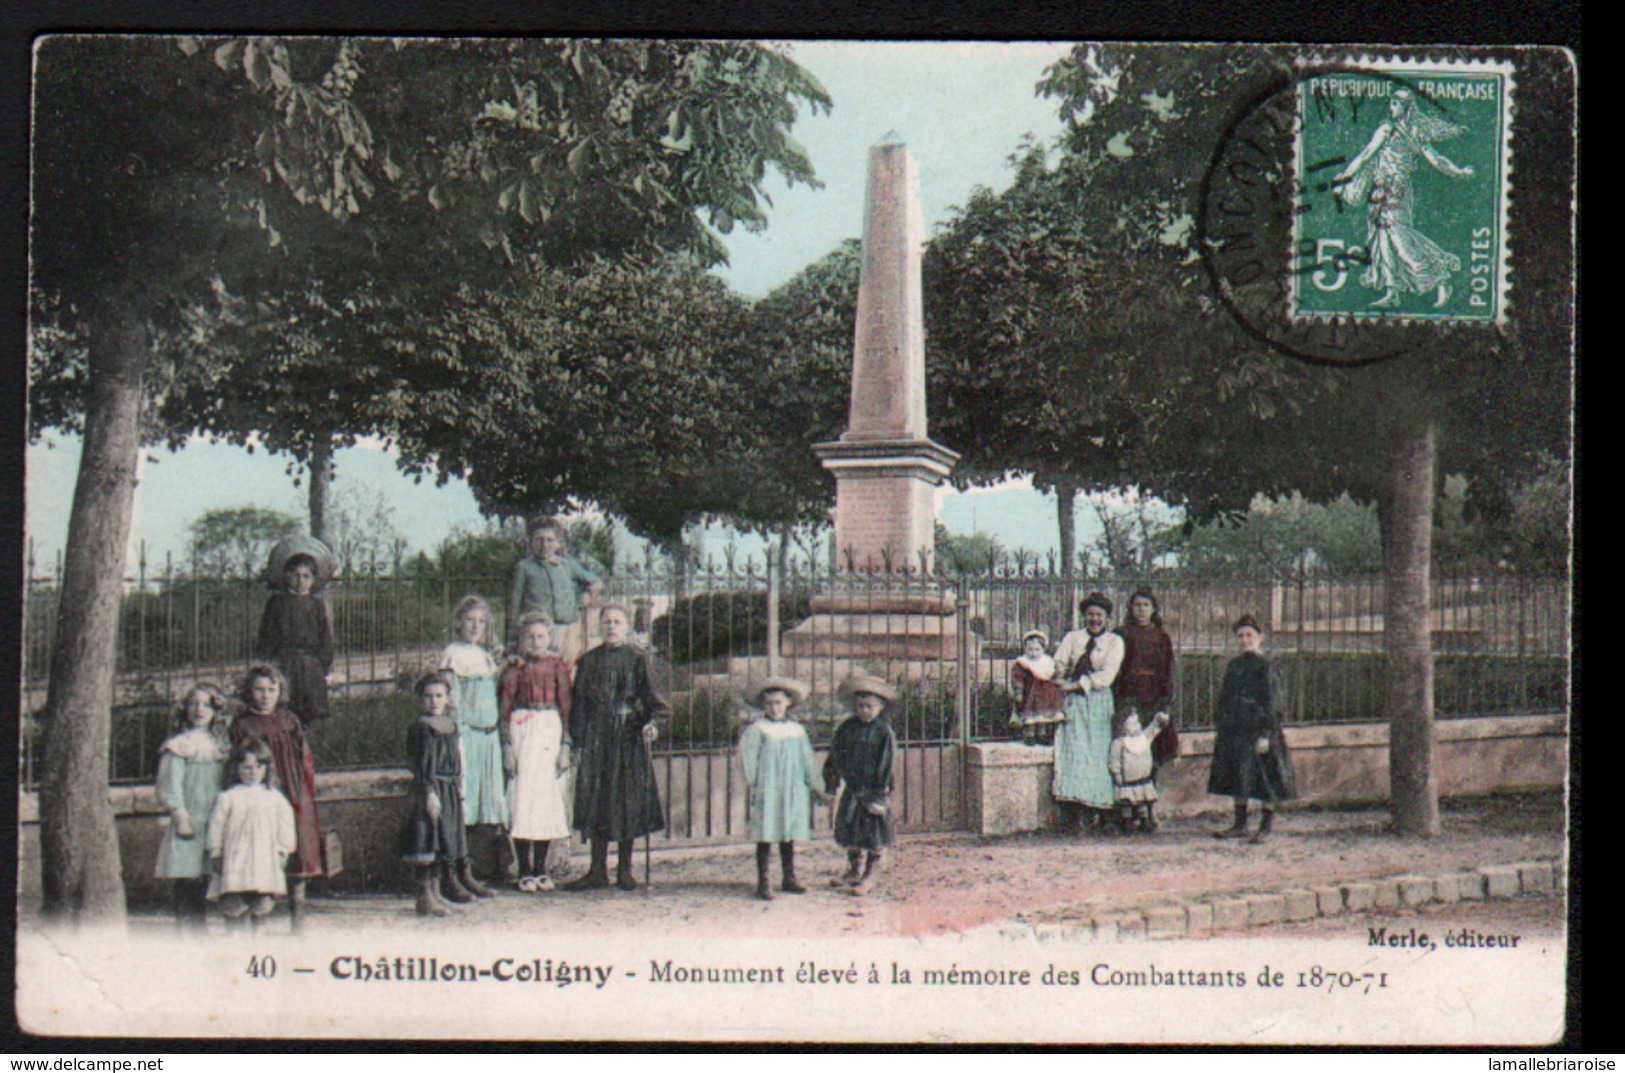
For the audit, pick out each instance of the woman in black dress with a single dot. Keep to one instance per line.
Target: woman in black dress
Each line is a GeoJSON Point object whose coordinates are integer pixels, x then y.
{"type": "Point", "coordinates": [1250, 758]}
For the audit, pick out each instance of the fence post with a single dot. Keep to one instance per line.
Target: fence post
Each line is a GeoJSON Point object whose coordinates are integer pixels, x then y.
{"type": "Point", "coordinates": [962, 695]}
{"type": "Point", "coordinates": [773, 583]}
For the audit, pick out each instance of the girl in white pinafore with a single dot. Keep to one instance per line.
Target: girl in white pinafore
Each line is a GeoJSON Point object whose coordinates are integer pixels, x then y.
{"type": "Point", "coordinates": [534, 698]}
{"type": "Point", "coordinates": [251, 836]}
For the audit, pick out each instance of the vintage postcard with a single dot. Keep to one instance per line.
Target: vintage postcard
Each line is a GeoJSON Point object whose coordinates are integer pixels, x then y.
{"type": "Point", "coordinates": [638, 539]}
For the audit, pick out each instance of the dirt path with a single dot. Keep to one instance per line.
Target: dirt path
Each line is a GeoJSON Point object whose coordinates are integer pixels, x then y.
{"type": "Point", "coordinates": [946, 884]}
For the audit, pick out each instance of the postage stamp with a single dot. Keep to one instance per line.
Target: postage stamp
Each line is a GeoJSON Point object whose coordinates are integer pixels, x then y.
{"type": "Point", "coordinates": [1403, 176]}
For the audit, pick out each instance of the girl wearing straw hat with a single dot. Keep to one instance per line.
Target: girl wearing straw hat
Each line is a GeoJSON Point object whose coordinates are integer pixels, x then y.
{"type": "Point", "coordinates": [778, 760]}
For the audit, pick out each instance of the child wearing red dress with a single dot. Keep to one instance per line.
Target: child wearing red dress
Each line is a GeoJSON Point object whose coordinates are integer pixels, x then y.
{"type": "Point", "coordinates": [293, 766]}
{"type": "Point", "coordinates": [1040, 704]}
{"type": "Point", "coordinates": [534, 699]}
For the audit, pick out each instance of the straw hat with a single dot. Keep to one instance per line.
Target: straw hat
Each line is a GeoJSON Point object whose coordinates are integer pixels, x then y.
{"type": "Point", "coordinates": [299, 544]}
{"type": "Point", "coordinates": [863, 683]}
{"type": "Point", "coordinates": [795, 688]}
{"type": "Point", "coordinates": [1030, 634]}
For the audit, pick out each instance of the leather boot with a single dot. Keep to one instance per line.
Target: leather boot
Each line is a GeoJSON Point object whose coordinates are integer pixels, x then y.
{"type": "Point", "coordinates": [624, 878]}
{"type": "Point", "coordinates": [1151, 816]}
{"type": "Point", "coordinates": [854, 869]}
{"type": "Point", "coordinates": [1264, 824]}
{"type": "Point", "coordinates": [465, 873]}
{"type": "Point", "coordinates": [875, 865]}
{"type": "Point", "coordinates": [451, 888]}
{"type": "Point", "coordinates": [764, 854]}
{"type": "Point", "coordinates": [1238, 829]}
{"type": "Point", "coordinates": [429, 903]}
{"type": "Point", "coordinates": [597, 876]}
{"type": "Point", "coordinates": [1125, 818]}
{"type": "Point", "coordinates": [787, 863]}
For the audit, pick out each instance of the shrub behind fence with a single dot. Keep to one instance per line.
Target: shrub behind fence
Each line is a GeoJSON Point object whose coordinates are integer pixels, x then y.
{"type": "Point", "coordinates": [1501, 647]}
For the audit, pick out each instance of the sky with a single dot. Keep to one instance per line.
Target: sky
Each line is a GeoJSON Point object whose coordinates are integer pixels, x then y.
{"type": "Point", "coordinates": [963, 108]}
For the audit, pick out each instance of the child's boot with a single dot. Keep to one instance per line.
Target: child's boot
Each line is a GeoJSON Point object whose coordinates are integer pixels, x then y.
{"type": "Point", "coordinates": [1238, 829]}
{"type": "Point", "coordinates": [596, 877]}
{"type": "Point", "coordinates": [871, 872]}
{"type": "Point", "coordinates": [452, 889]}
{"type": "Point", "coordinates": [854, 869]}
{"type": "Point", "coordinates": [1151, 816]}
{"type": "Point", "coordinates": [1264, 825]}
{"type": "Point", "coordinates": [787, 863]}
{"type": "Point", "coordinates": [1125, 817]}
{"type": "Point", "coordinates": [763, 856]}
{"type": "Point", "coordinates": [465, 873]}
{"type": "Point", "coordinates": [429, 903]}
{"type": "Point", "coordinates": [297, 905]}
{"type": "Point", "coordinates": [624, 878]}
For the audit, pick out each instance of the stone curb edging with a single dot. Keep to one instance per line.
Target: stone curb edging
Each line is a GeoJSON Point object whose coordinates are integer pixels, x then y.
{"type": "Point", "coordinates": [1201, 918]}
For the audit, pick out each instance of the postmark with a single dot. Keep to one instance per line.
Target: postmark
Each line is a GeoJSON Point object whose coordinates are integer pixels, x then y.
{"type": "Point", "coordinates": [1288, 224]}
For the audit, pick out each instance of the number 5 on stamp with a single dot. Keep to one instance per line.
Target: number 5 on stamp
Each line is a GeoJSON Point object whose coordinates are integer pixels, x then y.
{"type": "Point", "coordinates": [1402, 181]}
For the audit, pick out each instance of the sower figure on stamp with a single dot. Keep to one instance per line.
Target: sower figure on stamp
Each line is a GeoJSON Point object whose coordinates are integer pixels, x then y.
{"type": "Point", "coordinates": [615, 711]}
{"type": "Point", "coordinates": [1250, 759]}
{"type": "Point", "coordinates": [860, 761]}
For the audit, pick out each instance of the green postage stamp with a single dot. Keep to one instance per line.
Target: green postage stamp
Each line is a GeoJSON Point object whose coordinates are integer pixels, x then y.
{"type": "Point", "coordinates": [1402, 171]}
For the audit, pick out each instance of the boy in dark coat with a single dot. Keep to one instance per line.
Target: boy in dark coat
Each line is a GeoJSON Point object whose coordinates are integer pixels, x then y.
{"type": "Point", "coordinates": [1250, 758]}
{"type": "Point", "coordinates": [860, 760]}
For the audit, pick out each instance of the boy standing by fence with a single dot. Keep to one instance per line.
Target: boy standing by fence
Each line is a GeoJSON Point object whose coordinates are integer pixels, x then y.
{"type": "Point", "coordinates": [551, 582]}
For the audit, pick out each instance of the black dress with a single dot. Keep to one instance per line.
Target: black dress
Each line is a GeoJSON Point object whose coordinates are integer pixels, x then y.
{"type": "Point", "coordinates": [861, 756]}
{"type": "Point", "coordinates": [1250, 703]}
{"type": "Point", "coordinates": [615, 796]}
{"type": "Point", "coordinates": [436, 765]}
{"type": "Point", "coordinates": [297, 635]}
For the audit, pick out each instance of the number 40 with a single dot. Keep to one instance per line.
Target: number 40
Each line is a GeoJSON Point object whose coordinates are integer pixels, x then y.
{"type": "Point", "coordinates": [262, 967]}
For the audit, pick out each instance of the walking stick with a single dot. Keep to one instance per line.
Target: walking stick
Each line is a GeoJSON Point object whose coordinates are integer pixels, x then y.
{"type": "Point", "coordinates": [648, 837]}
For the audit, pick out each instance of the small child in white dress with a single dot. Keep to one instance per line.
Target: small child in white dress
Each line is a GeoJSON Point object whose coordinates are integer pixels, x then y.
{"type": "Point", "coordinates": [251, 837]}
{"type": "Point", "coordinates": [1131, 767]}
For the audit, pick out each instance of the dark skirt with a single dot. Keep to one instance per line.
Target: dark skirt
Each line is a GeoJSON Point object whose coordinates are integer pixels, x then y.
{"type": "Point", "coordinates": [616, 798]}
{"type": "Point", "coordinates": [858, 828]}
{"type": "Point", "coordinates": [307, 683]}
{"type": "Point", "coordinates": [445, 839]}
{"type": "Point", "coordinates": [1238, 771]}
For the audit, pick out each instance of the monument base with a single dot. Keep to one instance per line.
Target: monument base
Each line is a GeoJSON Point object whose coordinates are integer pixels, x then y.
{"type": "Point", "coordinates": [875, 635]}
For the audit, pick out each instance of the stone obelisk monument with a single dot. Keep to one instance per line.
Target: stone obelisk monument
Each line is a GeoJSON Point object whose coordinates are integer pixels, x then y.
{"type": "Point", "coordinates": [886, 467]}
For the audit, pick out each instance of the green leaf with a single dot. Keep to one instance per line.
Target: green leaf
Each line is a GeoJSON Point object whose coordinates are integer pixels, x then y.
{"type": "Point", "coordinates": [527, 201]}
{"type": "Point", "coordinates": [577, 158]}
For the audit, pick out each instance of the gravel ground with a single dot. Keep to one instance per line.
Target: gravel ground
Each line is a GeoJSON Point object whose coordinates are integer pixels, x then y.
{"type": "Point", "coordinates": [951, 883]}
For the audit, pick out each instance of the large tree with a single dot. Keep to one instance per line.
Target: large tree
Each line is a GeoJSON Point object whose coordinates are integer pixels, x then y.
{"type": "Point", "coordinates": [165, 167]}
{"type": "Point", "coordinates": [1482, 401]}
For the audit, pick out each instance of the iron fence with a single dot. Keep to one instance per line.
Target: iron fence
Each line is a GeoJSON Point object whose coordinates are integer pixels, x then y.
{"type": "Point", "coordinates": [1501, 646]}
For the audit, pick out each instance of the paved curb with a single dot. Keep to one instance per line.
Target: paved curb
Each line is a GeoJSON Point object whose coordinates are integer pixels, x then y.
{"type": "Point", "coordinates": [1203, 917]}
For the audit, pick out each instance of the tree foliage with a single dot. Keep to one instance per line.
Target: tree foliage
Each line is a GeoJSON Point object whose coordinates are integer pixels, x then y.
{"type": "Point", "coordinates": [235, 540]}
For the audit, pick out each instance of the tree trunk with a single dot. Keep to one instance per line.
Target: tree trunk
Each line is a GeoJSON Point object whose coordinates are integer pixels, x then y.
{"type": "Point", "coordinates": [1066, 513]}
{"type": "Point", "coordinates": [78, 841]}
{"type": "Point", "coordinates": [320, 467]}
{"type": "Point", "coordinates": [1407, 529]}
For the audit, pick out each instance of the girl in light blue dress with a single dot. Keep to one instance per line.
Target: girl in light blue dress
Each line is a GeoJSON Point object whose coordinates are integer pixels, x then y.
{"type": "Point", "coordinates": [191, 769]}
{"type": "Point", "coordinates": [485, 792]}
{"type": "Point", "coordinates": [778, 760]}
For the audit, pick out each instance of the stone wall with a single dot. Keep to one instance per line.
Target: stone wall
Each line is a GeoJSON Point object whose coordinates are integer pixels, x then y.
{"type": "Point", "coordinates": [1006, 790]}
{"type": "Point", "coordinates": [1008, 785]}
